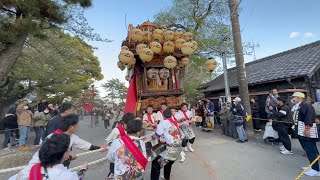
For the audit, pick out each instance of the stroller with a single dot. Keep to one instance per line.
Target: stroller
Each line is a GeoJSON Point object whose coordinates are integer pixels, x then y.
{"type": "Point", "coordinates": [270, 135]}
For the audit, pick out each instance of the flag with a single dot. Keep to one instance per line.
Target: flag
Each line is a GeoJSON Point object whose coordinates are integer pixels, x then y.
{"type": "Point", "coordinates": [132, 99]}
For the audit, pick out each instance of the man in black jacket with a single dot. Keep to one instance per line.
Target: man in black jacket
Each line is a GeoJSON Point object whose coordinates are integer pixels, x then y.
{"type": "Point", "coordinates": [57, 121]}
{"type": "Point", "coordinates": [306, 129]}
{"type": "Point", "coordinates": [281, 113]}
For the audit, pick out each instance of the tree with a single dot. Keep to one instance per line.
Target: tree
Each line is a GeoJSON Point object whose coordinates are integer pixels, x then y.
{"type": "Point", "coordinates": [116, 90]}
{"type": "Point", "coordinates": [59, 66]}
{"type": "Point", "coordinates": [242, 79]}
{"type": "Point", "coordinates": [206, 20]}
{"type": "Point", "coordinates": [20, 20]}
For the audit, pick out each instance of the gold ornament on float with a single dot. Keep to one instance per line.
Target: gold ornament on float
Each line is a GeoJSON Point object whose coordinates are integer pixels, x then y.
{"type": "Point", "coordinates": [187, 36]}
{"type": "Point", "coordinates": [178, 43]}
{"type": "Point", "coordinates": [168, 47]}
{"type": "Point", "coordinates": [177, 35]}
{"type": "Point", "coordinates": [188, 48]}
{"type": "Point", "coordinates": [125, 56]}
{"type": "Point", "coordinates": [140, 47]}
{"type": "Point", "coordinates": [121, 65]}
{"type": "Point", "coordinates": [155, 47]}
{"type": "Point", "coordinates": [184, 61]}
{"type": "Point", "coordinates": [157, 34]}
{"type": "Point", "coordinates": [170, 62]}
{"type": "Point", "coordinates": [146, 55]}
{"type": "Point", "coordinates": [168, 35]}
{"type": "Point", "coordinates": [211, 65]}
{"type": "Point", "coordinates": [137, 35]}
{"type": "Point", "coordinates": [125, 48]}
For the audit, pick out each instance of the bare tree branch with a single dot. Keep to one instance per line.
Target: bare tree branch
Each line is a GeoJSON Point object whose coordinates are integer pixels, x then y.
{"type": "Point", "coordinates": [8, 10]}
{"type": "Point", "coordinates": [178, 26]}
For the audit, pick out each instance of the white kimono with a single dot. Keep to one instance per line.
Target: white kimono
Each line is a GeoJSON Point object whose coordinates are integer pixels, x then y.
{"type": "Point", "coordinates": [160, 116]}
{"type": "Point", "coordinates": [185, 128]}
{"type": "Point", "coordinates": [171, 135]}
{"type": "Point", "coordinates": [55, 172]}
{"type": "Point", "coordinates": [154, 118]}
{"type": "Point", "coordinates": [75, 142]}
{"type": "Point", "coordinates": [124, 166]}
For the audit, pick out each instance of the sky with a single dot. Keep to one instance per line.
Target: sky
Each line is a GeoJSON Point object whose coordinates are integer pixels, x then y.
{"type": "Point", "coordinates": [276, 25]}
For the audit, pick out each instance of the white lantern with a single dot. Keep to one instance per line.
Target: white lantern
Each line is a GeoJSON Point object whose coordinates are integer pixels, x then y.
{"type": "Point", "coordinates": [140, 47]}
{"type": "Point", "coordinates": [188, 48]}
{"type": "Point", "coordinates": [146, 55]}
{"type": "Point", "coordinates": [168, 35]}
{"type": "Point", "coordinates": [168, 47]}
{"type": "Point", "coordinates": [155, 47]}
{"type": "Point", "coordinates": [170, 62]}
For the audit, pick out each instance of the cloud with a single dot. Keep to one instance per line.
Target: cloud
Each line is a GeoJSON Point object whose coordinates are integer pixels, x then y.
{"type": "Point", "coordinates": [294, 35]}
{"type": "Point", "coordinates": [309, 35]}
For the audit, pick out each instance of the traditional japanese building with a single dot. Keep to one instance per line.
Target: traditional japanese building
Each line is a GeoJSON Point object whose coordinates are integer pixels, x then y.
{"type": "Point", "coordinates": [294, 70]}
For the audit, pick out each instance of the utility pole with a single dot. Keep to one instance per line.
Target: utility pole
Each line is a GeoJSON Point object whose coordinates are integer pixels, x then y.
{"type": "Point", "coordinates": [225, 70]}
{"type": "Point", "coordinates": [241, 72]}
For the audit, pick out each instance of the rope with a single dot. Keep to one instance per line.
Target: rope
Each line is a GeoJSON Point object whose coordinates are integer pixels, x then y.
{"type": "Point", "coordinates": [80, 154]}
{"type": "Point", "coordinates": [8, 129]}
{"type": "Point", "coordinates": [90, 163]}
{"type": "Point", "coordinates": [261, 119]}
{"type": "Point", "coordinates": [304, 171]}
{"type": "Point", "coordinates": [21, 167]}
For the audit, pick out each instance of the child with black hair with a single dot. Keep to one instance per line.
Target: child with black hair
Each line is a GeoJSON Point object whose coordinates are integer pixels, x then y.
{"type": "Point", "coordinates": [129, 153]}
{"type": "Point", "coordinates": [160, 115]}
{"type": "Point", "coordinates": [116, 133]}
{"type": "Point", "coordinates": [52, 154]}
{"type": "Point", "coordinates": [169, 130]}
{"type": "Point", "coordinates": [69, 127]}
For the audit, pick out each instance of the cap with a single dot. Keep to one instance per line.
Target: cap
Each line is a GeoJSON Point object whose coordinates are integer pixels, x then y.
{"type": "Point", "coordinates": [237, 99]}
{"type": "Point", "coordinates": [299, 94]}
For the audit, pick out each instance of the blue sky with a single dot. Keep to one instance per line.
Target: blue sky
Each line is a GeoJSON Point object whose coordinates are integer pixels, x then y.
{"type": "Point", "coordinates": [276, 25]}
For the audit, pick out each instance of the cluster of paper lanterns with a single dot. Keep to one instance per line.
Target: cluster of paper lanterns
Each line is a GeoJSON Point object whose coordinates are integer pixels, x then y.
{"type": "Point", "coordinates": [153, 40]}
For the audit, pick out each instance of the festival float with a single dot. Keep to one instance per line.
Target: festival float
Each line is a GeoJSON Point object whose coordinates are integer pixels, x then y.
{"type": "Point", "coordinates": [153, 57]}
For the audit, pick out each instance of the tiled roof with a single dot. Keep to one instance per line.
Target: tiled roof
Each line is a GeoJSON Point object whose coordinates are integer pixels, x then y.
{"type": "Point", "coordinates": [298, 62]}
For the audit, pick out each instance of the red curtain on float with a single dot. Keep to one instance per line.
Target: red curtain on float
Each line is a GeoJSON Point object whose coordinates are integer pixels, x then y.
{"type": "Point", "coordinates": [132, 99]}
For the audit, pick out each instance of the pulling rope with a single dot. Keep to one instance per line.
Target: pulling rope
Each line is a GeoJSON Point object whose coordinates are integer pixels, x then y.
{"type": "Point", "coordinates": [90, 163]}
{"type": "Point", "coordinates": [304, 171]}
{"type": "Point", "coordinates": [78, 155]}
{"type": "Point", "coordinates": [21, 167]}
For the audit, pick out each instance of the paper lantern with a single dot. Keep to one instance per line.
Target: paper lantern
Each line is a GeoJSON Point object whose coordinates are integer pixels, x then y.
{"type": "Point", "coordinates": [130, 66]}
{"type": "Point", "coordinates": [121, 65]}
{"type": "Point", "coordinates": [140, 47]}
{"type": "Point", "coordinates": [170, 62]}
{"type": "Point", "coordinates": [188, 48]}
{"type": "Point", "coordinates": [178, 43]}
{"type": "Point", "coordinates": [125, 56]}
{"type": "Point", "coordinates": [177, 35]}
{"type": "Point", "coordinates": [164, 73]}
{"type": "Point", "coordinates": [137, 35]}
{"type": "Point", "coordinates": [125, 48]}
{"type": "Point", "coordinates": [168, 35]}
{"type": "Point", "coordinates": [155, 47]}
{"type": "Point", "coordinates": [146, 55]}
{"type": "Point", "coordinates": [147, 36]}
{"type": "Point", "coordinates": [157, 34]}
{"type": "Point", "coordinates": [211, 65]}
{"type": "Point", "coordinates": [187, 36]}
{"type": "Point", "coordinates": [184, 61]}
{"type": "Point", "coordinates": [132, 61]}
{"type": "Point", "coordinates": [168, 47]}
{"type": "Point", "coordinates": [152, 73]}
{"type": "Point", "coordinates": [195, 44]}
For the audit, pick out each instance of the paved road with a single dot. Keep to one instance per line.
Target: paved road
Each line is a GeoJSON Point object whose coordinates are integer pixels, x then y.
{"type": "Point", "coordinates": [216, 158]}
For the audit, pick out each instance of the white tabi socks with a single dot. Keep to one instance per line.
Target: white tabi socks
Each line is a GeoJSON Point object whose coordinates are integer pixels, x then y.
{"type": "Point", "coordinates": [185, 149]}
{"type": "Point", "coordinates": [190, 147]}
{"type": "Point", "coordinates": [183, 156]}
